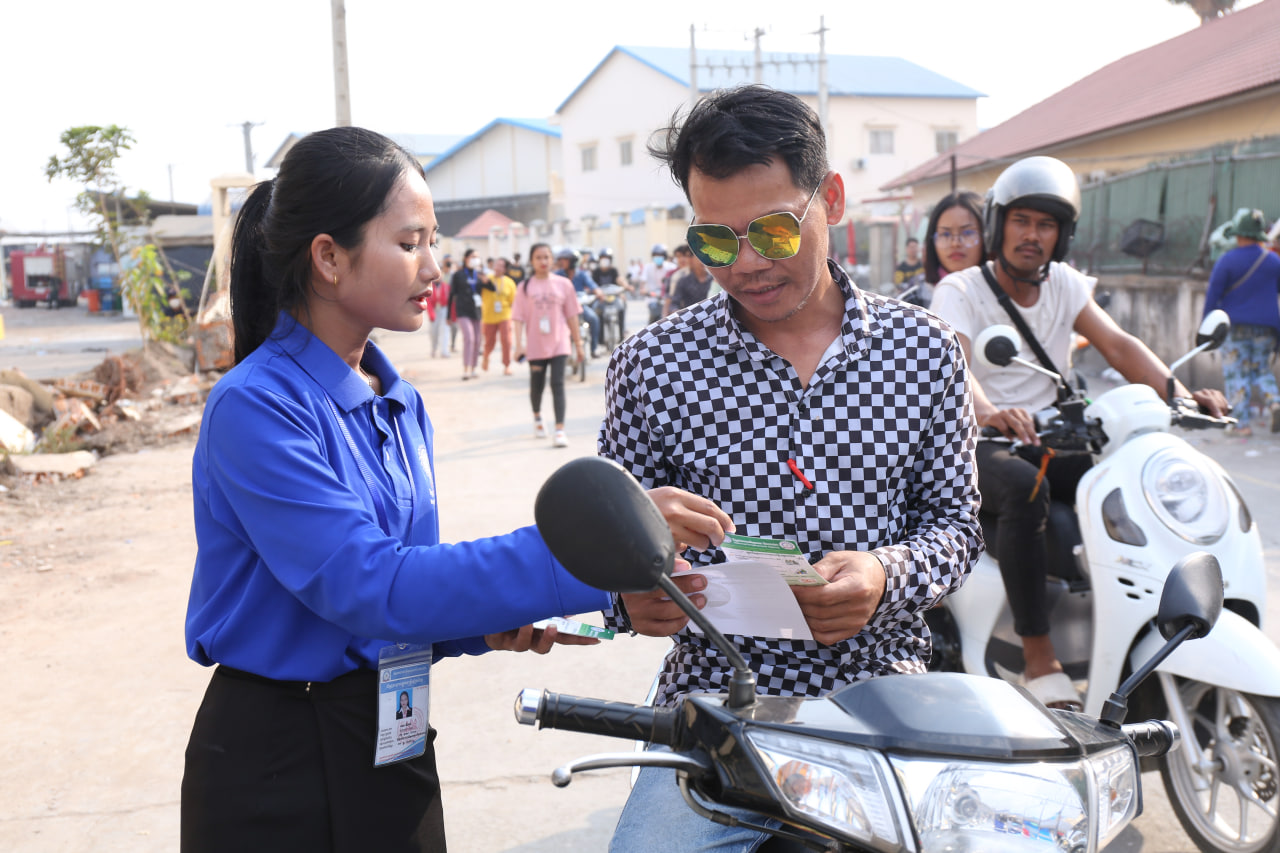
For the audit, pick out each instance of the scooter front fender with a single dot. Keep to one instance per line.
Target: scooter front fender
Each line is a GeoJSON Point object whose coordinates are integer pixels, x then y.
{"type": "Point", "coordinates": [1235, 655]}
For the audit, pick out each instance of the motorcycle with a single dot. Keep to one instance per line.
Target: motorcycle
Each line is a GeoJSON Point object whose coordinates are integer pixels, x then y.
{"type": "Point", "coordinates": [610, 307]}
{"type": "Point", "coordinates": [579, 367]}
{"type": "Point", "coordinates": [920, 763]}
{"type": "Point", "coordinates": [1149, 499]}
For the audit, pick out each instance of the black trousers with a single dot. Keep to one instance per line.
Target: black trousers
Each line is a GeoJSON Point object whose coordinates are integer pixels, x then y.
{"type": "Point", "coordinates": [537, 381]}
{"type": "Point", "coordinates": [1006, 480]}
{"type": "Point", "coordinates": [281, 766]}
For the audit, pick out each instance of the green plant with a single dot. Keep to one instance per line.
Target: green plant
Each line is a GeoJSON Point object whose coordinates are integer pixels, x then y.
{"type": "Point", "coordinates": [143, 288]}
{"type": "Point", "coordinates": [90, 156]}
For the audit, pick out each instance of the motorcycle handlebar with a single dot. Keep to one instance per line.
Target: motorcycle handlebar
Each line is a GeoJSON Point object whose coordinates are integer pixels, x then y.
{"type": "Point", "coordinates": [595, 716]}
{"type": "Point", "coordinates": [1152, 738]}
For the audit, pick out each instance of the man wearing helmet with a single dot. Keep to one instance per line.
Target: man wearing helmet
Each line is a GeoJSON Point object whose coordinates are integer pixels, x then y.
{"type": "Point", "coordinates": [1030, 217]}
{"type": "Point", "coordinates": [566, 265]}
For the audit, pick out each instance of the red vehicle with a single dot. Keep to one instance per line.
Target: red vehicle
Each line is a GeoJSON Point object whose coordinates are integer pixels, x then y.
{"type": "Point", "coordinates": [53, 276]}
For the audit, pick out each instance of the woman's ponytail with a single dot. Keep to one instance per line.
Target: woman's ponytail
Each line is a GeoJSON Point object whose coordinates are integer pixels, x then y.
{"type": "Point", "coordinates": [254, 301]}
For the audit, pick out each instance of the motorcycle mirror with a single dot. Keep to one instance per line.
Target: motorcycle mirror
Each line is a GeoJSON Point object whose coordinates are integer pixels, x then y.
{"type": "Point", "coordinates": [602, 526]}
{"type": "Point", "coordinates": [1192, 596]}
{"type": "Point", "coordinates": [1213, 329]}
{"type": "Point", "coordinates": [997, 346]}
{"type": "Point", "coordinates": [1190, 605]}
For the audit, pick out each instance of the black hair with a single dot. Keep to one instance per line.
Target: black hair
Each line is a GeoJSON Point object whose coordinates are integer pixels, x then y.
{"type": "Point", "coordinates": [971, 202]}
{"type": "Point", "coordinates": [331, 182]}
{"type": "Point", "coordinates": [732, 129]}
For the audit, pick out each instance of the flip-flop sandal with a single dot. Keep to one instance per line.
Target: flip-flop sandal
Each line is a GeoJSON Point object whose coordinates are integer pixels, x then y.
{"type": "Point", "coordinates": [1055, 691]}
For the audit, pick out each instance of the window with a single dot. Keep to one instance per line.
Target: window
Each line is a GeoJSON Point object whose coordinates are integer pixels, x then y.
{"type": "Point", "coordinates": [945, 140]}
{"type": "Point", "coordinates": [589, 158]}
{"type": "Point", "coordinates": [882, 142]}
{"type": "Point", "coordinates": [624, 152]}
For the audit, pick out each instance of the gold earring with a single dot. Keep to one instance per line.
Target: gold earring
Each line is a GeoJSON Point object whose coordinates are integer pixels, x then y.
{"type": "Point", "coordinates": [335, 279]}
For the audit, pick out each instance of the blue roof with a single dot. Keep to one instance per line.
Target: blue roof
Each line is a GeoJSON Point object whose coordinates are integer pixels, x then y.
{"type": "Point", "coordinates": [537, 125]}
{"type": "Point", "coordinates": [797, 73]}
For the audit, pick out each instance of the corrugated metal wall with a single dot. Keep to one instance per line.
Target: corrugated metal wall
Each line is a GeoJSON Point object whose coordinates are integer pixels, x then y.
{"type": "Point", "coordinates": [1189, 199]}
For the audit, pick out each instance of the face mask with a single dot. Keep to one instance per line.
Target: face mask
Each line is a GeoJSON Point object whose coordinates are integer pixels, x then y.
{"type": "Point", "coordinates": [658, 260]}
{"type": "Point", "coordinates": [473, 263]}
{"type": "Point", "coordinates": [604, 263]}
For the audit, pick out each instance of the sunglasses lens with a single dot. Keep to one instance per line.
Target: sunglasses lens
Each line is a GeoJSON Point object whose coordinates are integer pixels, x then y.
{"type": "Point", "coordinates": [776, 236]}
{"type": "Point", "coordinates": [715, 245]}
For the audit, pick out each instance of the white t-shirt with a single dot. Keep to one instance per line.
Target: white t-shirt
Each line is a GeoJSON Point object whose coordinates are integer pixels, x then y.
{"type": "Point", "coordinates": [965, 301]}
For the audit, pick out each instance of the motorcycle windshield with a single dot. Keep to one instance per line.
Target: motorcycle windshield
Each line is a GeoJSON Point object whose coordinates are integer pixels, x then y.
{"type": "Point", "coordinates": [953, 714]}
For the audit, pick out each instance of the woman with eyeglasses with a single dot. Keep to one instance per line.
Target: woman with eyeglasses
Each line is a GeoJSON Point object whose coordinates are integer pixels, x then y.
{"type": "Point", "coordinates": [954, 237]}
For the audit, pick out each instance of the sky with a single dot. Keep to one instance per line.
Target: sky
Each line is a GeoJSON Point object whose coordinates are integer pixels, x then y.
{"type": "Point", "coordinates": [185, 76]}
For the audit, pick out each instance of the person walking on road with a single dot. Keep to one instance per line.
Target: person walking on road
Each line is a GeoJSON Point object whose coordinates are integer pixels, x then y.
{"type": "Point", "coordinates": [497, 293]}
{"type": "Point", "coordinates": [545, 314]}
{"type": "Point", "coordinates": [319, 559]}
{"type": "Point", "coordinates": [1245, 282]}
{"type": "Point", "coordinates": [464, 292]}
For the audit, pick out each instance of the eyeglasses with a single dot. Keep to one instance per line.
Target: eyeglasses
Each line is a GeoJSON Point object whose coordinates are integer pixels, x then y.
{"type": "Point", "coordinates": [967, 238]}
{"type": "Point", "coordinates": [775, 236]}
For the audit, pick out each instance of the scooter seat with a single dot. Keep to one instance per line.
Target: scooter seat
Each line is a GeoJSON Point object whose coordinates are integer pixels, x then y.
{"type": "Point", "coordinates": [1062, 535]}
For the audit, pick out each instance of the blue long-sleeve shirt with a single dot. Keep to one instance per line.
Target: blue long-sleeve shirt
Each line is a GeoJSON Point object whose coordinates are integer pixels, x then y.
{"type": "Point", "coordinates": [1253, 302]}
{"type": "Point", "coordinates": [296, 575]}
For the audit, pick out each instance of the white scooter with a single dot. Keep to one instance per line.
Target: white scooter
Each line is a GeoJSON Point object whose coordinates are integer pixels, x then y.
{"type": "Point", "coordinates": [1150, 499]}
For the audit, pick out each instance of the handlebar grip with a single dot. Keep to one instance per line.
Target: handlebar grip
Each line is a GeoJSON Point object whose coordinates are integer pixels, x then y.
{"type": "Point", "coordinates": [989, 432]}
{"type": "Point", "coordinates": [596, 717]}
{"type": "Point", "coordinates": [1152, 738]}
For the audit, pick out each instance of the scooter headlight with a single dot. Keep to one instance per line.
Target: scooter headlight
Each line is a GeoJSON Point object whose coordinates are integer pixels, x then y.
{"type": "Point", "coordinates": [1076, 806]}
{"type": "Point", "coordinates": [1186, 495]}
{"type": "Point", "coordinates": [847, 789]}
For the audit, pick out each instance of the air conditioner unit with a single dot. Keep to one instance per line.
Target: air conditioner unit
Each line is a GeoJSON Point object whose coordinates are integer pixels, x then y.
{"type": "Point", "coordinates": [859, 163]}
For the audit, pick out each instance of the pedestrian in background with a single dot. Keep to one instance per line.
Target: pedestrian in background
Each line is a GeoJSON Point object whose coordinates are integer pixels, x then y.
{"type": "Point", "coordinates": [464, 305]}
{"type": "Point", "coordinates": [438, 307]}
{"type": "Point", "coordinates": [545, 314]}
{"type": "Point", "coordinates": [497, 293]}
{"type": "Point", "coordinates": [317, 526]}
{"type": "Point", "coordinates": [1245, 283]}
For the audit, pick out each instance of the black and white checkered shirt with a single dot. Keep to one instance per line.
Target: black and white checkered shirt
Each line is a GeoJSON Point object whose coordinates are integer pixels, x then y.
{"type": "Point", "coordinates": [884, 432]}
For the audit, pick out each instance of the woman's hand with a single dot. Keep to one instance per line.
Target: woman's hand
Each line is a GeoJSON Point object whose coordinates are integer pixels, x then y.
{"type": "Point", "coordinates": [537, 640]}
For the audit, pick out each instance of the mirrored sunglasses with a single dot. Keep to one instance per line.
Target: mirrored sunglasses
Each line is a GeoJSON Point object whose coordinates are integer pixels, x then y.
{"type": "Point", "coordinates": [775, 236]}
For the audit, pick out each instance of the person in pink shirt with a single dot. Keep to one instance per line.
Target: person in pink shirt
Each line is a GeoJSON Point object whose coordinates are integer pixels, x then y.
{"type": "Point", "coordinates": [544, 313]}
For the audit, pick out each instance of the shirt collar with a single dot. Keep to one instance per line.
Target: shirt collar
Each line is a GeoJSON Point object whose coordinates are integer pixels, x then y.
{"type": "Point", "coordinates": [330, 372]}
{"type": "Point", "coordinates": [859, 322]}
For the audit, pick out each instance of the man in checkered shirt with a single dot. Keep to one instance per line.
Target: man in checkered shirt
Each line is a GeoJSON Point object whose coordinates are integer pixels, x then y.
{"type": "Point", "coordinates": [790, 406]}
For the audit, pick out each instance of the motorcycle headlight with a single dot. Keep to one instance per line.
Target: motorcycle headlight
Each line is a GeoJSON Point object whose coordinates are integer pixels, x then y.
{"type": "Point", "coordinates": [846, 789]}
{"type": "Point", "coordinates": [1076, 806]}
{"type": "Point", "coordinates": [1186, 495]}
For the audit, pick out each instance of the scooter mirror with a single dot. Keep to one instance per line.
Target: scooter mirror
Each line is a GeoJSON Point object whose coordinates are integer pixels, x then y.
{"type": "Point", "coordinates": [997, 346]}
{"type": "Point", "coordinates": [1192, 596]}
{"type": "Point", "coordinates": [1213, 329]}
{"type": "Point", "coordinates": [603, 527]}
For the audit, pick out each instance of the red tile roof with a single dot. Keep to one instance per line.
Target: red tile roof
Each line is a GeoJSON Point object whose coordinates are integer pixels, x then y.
{"type": "Point", "coordinates": [479, 227]}
{"type": "Point", "coordinates": [1225, 57]}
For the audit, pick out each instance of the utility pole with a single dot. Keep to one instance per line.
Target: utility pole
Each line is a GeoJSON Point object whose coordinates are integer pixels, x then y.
{"type": "Point", "coordinates": [341, 85]}
{"type": "Point", "coordinates": [758, 60]}
{"type": "Point", "coordinates": [693, 67]}
{"type": "Point", "coordinates": [247, 127]}
{"type": "Point", "coordinates": [822, 72]}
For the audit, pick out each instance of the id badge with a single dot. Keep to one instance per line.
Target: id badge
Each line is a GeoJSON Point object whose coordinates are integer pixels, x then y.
{"type": "Point", "coordinates": [404, 680]}
{"type": "Point", "coordinates": [497, 307]}
{"type": "Point", "coordinates": [544, 325]}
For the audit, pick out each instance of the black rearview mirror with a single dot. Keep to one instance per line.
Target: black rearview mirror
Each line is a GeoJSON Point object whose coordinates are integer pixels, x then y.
{"type": "Point", "coordinates": [1192, 595]}
{"type": "Point", "coordinates": [602, 526]}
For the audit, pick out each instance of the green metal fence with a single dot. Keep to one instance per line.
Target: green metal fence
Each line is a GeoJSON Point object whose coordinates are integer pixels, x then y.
{"type": "Point", "coordinates": [1177, 204]}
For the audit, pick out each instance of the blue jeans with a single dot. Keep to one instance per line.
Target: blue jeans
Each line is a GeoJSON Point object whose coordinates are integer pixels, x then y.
{"type": "Point", "coordinates": [656, 817]}
{"type": "Point", "coordinates": [593, 322]}
{"type": "Point", "coordinates": [1246, 370]}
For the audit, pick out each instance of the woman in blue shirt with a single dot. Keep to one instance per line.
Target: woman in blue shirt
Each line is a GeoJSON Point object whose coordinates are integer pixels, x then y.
{"type": "Point", "coordinates": [317, 525]}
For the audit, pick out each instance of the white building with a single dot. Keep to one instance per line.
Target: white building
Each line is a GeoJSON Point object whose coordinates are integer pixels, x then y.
{"type": "Point", "coordinates": [884, 115]}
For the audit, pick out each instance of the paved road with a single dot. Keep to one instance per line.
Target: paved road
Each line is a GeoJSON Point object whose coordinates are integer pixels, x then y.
{"type": "Point", "coordinates": [497, 792]}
